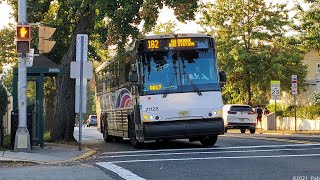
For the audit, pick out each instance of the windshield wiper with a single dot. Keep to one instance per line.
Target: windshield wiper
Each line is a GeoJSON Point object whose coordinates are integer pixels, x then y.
{"type": "Point", "coordinates": [169, 86]}
{"type": "Point", "coordinates": [193, 85]}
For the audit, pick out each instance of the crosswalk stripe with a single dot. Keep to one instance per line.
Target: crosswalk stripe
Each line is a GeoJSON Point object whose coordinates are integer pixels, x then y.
{"type": "Point", "coordinates": [210, 152]}
{"type": "Point", "coordinates": [214, 148]}
{"type": "Point", "coordinates": [124, 173]}
{"type": "Point", "coordinates": [274, 139]}
{"type": "Point", "coordinates": [215, 158]}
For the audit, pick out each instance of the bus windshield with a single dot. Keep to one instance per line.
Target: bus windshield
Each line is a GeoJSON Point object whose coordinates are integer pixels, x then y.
{"type": "Point", "coordinates": [179, 71]}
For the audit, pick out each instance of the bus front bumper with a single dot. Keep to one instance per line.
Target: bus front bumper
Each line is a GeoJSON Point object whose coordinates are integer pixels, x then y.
{"type": "Point", "coordinates": [181, 129]}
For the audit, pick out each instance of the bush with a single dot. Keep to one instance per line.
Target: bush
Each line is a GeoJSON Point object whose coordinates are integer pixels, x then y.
{"type": "Point", "coordinates": [47, 136]}
{"type": "Point", "coordinates": [304, 112]}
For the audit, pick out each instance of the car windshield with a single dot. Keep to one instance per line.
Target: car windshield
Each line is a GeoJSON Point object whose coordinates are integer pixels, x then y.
{"type": "Point", "coordinates": [241, 108]}
{"type": "Point", "coordinates": [179, 71]}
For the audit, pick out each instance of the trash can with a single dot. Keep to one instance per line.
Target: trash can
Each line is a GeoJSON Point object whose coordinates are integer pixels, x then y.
{"type": "Point", "coordinates": [15, 124]}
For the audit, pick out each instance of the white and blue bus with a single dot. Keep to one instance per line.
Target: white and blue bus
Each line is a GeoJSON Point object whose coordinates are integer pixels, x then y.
{"type": "Point", "coordinates": [165, 87]}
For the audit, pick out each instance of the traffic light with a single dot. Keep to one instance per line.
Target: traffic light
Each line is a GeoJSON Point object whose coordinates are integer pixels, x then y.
{"type": "Point", "coordinates": [45, 45]}
{"type": "Point", "coordinates": [23, 38]}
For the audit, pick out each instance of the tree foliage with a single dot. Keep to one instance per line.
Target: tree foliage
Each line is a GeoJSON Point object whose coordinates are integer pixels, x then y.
{"type": "Point", "coordinates": [106, 23]}
{"type": "Point", "coordinates": [310, 24]}
{"type": "Point", "coordinates": [7, 47]}
{"type": "Point", "coordinates": [252, 47]}
{"type": "Point", "coordinates": [165, 28]}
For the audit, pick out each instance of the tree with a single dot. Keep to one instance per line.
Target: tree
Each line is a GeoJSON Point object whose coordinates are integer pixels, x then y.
{"type": "Point", "coordinates": [252, 47]}
{"type": "Point", "coordinates": [106, 23]}
{"type": "Point", "coordinates": [7, 47]}
{"type": "Point", "coordinates": [310, 24]}
{"type": "Point", "coordinates": [3, 109]}
{"type": "Point", "coordinates": [165, 28]}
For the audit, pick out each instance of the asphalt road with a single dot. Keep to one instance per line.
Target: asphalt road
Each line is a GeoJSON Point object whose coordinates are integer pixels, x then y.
{"type": "Point", "coordinates": [235, 156]}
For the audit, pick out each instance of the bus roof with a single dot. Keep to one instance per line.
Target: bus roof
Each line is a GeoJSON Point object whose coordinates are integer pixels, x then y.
{"type": "Point", "coordinates": [181, 35]}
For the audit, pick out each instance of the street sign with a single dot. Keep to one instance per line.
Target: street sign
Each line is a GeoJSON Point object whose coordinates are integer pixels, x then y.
{"type": "Point", "coordinates": [275, 90]}
{"type": "Point", "coordinates": [75, 70]}
{"type": "Point", "coordinates": [82, 47]}
{"type": "Point", "coordinates": [294, 86]}
{"type": "Point", "coordinates": [30, 57]}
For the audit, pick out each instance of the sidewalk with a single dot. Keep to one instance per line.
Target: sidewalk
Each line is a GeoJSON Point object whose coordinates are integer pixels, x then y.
{"type": "Point", "coordinates": [51, 153]}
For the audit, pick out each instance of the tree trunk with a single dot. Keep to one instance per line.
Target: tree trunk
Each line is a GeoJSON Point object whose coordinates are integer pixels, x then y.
{"type": "Point", "coordinates": [65, 107]}
{"type": "Point", "coordinates": [249, 93]}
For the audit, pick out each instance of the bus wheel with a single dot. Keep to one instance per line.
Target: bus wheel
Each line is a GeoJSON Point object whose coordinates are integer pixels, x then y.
{"type": "Point", "coordinates": [133, 138]}
{"type": "Point", "coordinates": [253, 130]}
{"type": "Point", "coordinates": [209, 140]}
{"type": "Point", "coordinates": [106, 136]}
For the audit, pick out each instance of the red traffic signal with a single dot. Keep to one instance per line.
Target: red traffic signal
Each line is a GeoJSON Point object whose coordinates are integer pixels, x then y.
{"type": "Point", "coordinates": [23, 38]}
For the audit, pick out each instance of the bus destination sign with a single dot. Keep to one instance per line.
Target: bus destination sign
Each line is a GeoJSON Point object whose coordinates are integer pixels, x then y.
{"type": "Point", "coordinates": [175, 43]}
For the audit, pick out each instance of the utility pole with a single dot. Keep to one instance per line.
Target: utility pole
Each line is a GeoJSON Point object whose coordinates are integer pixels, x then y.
{"type": "Point", "coordinates": [22, 138]}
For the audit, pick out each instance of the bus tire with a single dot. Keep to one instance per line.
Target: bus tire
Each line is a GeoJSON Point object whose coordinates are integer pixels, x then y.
{"type": "Point", "coordinates": [209, 141]}
{"type": "Point", "coordinates": [253, 130]}
{"type": "Point", "coordinates": [106, 136]}
{"type": "Point", "coordinates": [133, 138]}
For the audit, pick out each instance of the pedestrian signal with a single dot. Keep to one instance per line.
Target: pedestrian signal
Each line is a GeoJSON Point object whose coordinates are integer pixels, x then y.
{"type": "Point", "coordinates": [23, 38]}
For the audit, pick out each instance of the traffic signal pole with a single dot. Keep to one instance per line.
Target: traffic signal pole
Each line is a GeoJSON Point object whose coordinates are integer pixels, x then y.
{"type": "Point", "coordinates": [22, 138]}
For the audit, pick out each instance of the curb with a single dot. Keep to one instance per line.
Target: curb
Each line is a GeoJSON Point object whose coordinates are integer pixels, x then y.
{"type": "Point", "coordinates": [88, 152]}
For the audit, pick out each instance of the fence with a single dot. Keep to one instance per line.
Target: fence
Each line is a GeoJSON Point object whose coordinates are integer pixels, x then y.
{"type": "Point", "coordinates": [287, 123]}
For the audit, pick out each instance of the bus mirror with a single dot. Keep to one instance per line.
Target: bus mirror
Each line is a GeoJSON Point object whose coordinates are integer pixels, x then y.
{"type": "Point", "coordinates": [133, 76]}
{"type": "Point", "coordinates": [223, 78]}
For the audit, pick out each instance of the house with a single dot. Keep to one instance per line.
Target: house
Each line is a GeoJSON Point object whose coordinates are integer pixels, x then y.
{"type": "Point", "coordinates": [305, 97]}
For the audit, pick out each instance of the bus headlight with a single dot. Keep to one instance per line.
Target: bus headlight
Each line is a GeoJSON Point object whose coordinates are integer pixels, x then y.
{"type": "Point", "coordinates": [151, 117]}
{"type": "Point", "coordinates": [215, 113]}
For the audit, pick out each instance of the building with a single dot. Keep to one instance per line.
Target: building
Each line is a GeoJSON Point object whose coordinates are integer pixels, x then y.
{"type": "Point", "coordinates": [305, 97]}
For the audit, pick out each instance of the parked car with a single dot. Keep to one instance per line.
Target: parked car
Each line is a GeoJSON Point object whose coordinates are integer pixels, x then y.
{"type": "Point", "coordinates": [239, 116]}
{"type": "Point", "coordinates": [92, 120]}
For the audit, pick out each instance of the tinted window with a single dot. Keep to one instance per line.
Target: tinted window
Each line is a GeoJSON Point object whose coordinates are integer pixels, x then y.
{"type": "Point", "coordinates": [241, 108]}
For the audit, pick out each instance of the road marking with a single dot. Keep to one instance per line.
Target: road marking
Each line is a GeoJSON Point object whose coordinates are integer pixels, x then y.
{"type": "Point", "coordinates": [273, 139]}
{"type": "Point", "coordinates": [210, 152]}
{"type": "Point", "coordinates": [217, 158]}
{"type": "Point", "coordinates": [213, 148]}
{"type": "Point", "coordinates": [126, 174]}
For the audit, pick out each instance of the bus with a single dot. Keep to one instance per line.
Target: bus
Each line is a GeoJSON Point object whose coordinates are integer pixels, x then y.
{"type": "Point", "coordinates": [164, 87]}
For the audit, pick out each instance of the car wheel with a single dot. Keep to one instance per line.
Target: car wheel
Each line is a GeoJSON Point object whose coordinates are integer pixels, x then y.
{"type": "Point", "coordinates": [209, 141]}
{"type": "Point", "coordinates": [133, 138]}
{"type": "Point", "coordinates": [253, 130]}
{"type": "Point", "coordinates": [243, 130]}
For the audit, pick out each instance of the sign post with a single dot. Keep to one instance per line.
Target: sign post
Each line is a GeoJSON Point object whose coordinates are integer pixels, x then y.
{"type": "Point", "coordinates": [81, 70]}
{"type": "Point", "coordinates": [294, 88]}
{"type": "Point", "coordinates": [22, 137]}
{"type": "Point", "coordinates": [275, 95]}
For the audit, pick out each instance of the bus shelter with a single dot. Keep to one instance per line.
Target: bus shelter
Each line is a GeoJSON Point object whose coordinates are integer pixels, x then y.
{"type": "Point", "coordinates": [42, 67]}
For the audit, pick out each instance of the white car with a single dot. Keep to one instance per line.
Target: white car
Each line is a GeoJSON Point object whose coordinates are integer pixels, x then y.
{"type": "Point", "coordinates": [239, 116]}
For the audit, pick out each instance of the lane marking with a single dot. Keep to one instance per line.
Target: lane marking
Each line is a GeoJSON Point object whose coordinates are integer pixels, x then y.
{"type": "Point", "coordinates": [209, 152]}
{"type": "Point", "coordinates": [273, 139]}
{"type": "Point", "coordinates": [213, 148]}
{"type": "Point", "coordinates": [213, 158]}
{"type": "Point", "coordinates": [124, 173]}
